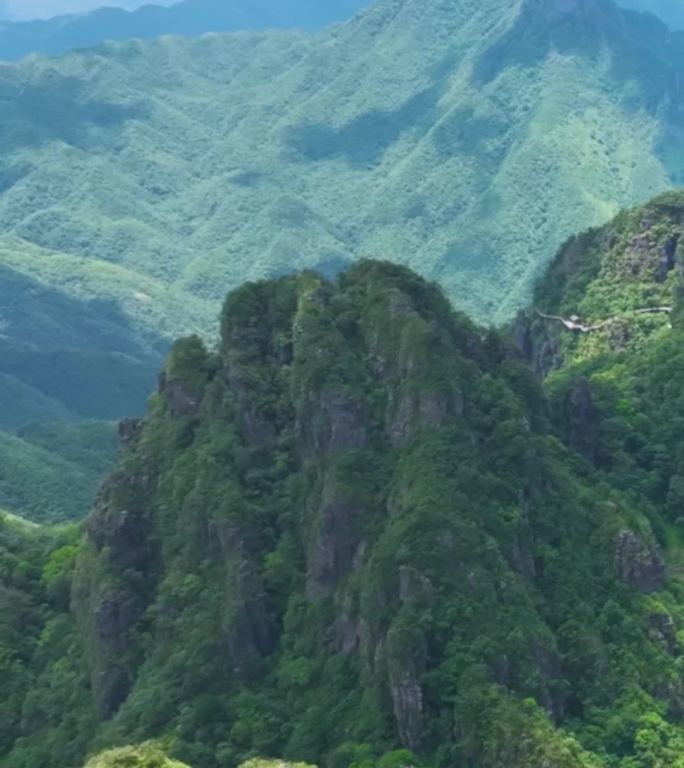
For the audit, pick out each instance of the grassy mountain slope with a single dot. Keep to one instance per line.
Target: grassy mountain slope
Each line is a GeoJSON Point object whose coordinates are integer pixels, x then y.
{"type": "Point", "coordinates": [189, 18]}
{"type": "Point", "coordinates": [351, 532]}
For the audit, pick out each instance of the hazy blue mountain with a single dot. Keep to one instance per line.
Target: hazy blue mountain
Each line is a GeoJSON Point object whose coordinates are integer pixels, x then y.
{"type": "Point", "coordinates": [27, 10]}
{"type": "Point", "coordinates": [670, 11]}
{"type": "Point", "coordinates": [189, 18]}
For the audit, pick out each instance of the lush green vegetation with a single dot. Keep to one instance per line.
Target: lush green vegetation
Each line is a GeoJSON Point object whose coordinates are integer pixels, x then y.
{"type": "Point", "coordinates": [145, 756]}
{"type": "Point", "coordinates": [36, 568]}
{"type": "Point", "coordinates": [51, 473]}
{"type": "Point", "coordinates": [67, 367]}
{"type": "Point", "coordinates": [358, 534]}
{"type": "Point", "coordinates": [152, 755]}
{"type": "Point", "coordinates": [177, 192]}
{"type": "Point", "coordinates": [136, 187]}
{"type": "Point", "coordinates": [634, 363]}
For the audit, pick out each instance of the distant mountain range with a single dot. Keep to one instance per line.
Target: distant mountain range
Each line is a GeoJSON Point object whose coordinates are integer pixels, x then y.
{"type": "Point", "coordinates": [189, 18]}
{"type": "Point", "coordinates": [670, 11]}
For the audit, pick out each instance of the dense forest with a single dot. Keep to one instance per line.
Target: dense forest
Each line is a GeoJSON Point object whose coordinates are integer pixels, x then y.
{"type": "Point", "coordinates": [143, 179]}
{"type": "Point", "coordinates": [364, 531]}
{"type": "Point", "coordinates": [342, 386]}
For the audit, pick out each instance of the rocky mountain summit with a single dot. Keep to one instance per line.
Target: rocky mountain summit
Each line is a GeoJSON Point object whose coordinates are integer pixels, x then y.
{"type": "Point", "coordinates": [361, 531]}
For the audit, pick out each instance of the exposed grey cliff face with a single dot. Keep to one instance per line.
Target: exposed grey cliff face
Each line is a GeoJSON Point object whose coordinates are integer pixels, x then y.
{"type": "Point", "coordinates": [181, 401]}
{"type": "Point", "coordinates": [414, 587]}
{"type": "Point", "coordinates": [250, 631]}
{"type": "Point", "coordinates": [639, 565]}
{"type": "Point", "coordinates": [537, 343]}
{"type": "Point", "coordinates": [115, 617]}
{"type": "Point", "coordinates": [522, 336]}
{"type": "Point", "coordinates": [651, 255]}
{"type": "Point", "coordinates": [109, 614]}
{"type": "Point", "coordinates": [336, 543]}
{"type": "Point", "coordinates": [663, 630]}
{"type": "Point", "coordinates": [669, 257]}
{"type": "Point", "coordinates": [405, 664]}
{"type": "Point", "coordinates": [417, 410]}
{"type": "Point", "coordinates": [129, 431]}
{"type": "Point", "coordinates": [257, 425]}
{"type": "Point", "coordinates": [582, 420]}
{"type": "Point", "coordinates": [330, 421]}
{"type": "Point", "coordinates": [124, 535]}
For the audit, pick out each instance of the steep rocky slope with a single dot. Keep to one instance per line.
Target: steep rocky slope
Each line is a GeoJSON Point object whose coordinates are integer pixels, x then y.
{"type": "Point", "coordinates": [350, 532]}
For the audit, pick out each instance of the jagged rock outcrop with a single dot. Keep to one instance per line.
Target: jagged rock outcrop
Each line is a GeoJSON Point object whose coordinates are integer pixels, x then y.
{"type": "Point", "coordinates": [181, 401]}
{"type": "Point", "coordinates": [109, 591]}
{"type": "Point", "coordinates": [406, 654]}
{"type": "Point", "coordinates": [663, 630]}
{"type": "Point", "coordinates": [356, 504]}
{"type": "Point", "coordinates": [331, 421]}
{"type": "Point", "coordinates": [336, 548]}
{"type": "Point", "coordinates": [639, 564]}
{"type": "Point", "coordinates": [582, 420]}
{"type": "Point", "coordinates": [129, 431]}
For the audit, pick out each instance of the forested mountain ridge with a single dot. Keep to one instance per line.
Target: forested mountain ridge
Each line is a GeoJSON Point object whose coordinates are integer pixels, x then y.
{"type": "Point", "coordinates": [323, 117]}
{"type": "Point", "coordinates": [624, 283]}
{"type": "Point", "coordinates": [190, 18]}
{"type": "Point", "coordinates": [141, 180]}
{"type": "Point", "coordinates": [367, 531]}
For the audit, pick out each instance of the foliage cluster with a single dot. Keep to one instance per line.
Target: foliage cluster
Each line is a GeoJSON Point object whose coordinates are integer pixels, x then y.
{"type": "Point", "coordinates": [147, 755]}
